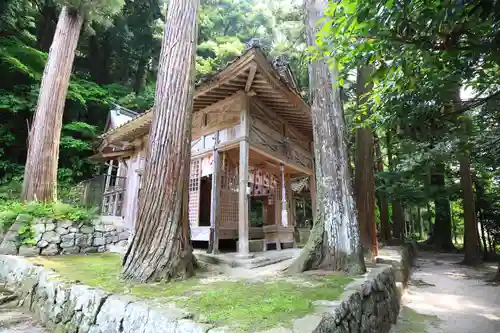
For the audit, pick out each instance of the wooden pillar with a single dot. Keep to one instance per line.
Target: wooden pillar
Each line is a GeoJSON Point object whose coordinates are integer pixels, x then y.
{"type": "Point", "coordinates": [213, 246]}
{"type": "Point", "coordinates": [277, 205]}
{"type": "Point", "coordinates": [131, 202]}
{"type": "Point", "coordinates": [243, 206]}
{"type": "Point", "coordinates": [312, 184]}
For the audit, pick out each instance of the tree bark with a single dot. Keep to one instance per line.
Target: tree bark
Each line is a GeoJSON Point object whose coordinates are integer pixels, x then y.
{"type": "Point", "coordinates": [398, 220]}
{"type": "Point", "coordinates": [364, 177]}
{"type": "Point", "coordinates": [483, 239]}
{"type": "Point", "coordinates": [441, 237]}
{"type": "Point", "coordinates": [46, 26]}
{"type": "Point", "coordinates": [140, 75]}
{"type": "Point", "coordinates": [397, 208]}
{"type": "Point", "coordinates": [334, 241]}
{"type": "Point", "coordinates": [421, 229]}
{"type": "Point", "coordinates": [471, 236]}
{"type": "Point", "coordinates": [99, 57]}
{"type": "Point", "coordinates": [161, 248]}
{"type": "Point", "coordinates": [40, 173]}
{"type": "Point", "coordinates": [385, 229]}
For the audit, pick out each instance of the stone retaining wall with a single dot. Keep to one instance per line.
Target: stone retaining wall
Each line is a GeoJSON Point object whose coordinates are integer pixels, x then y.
{"type": "Point", "coordinates": [371, 307]}
{"type": "Point", "coordinates": [78, 308]}
{"type": "Point", "coordinates": [66, 237]}
{"type": "Point", "coordinates": [370, 304]}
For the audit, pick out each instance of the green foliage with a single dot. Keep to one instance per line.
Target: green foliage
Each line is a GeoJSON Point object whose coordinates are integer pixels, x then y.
{"type": "Point", "coordinates": [100, 11]}
{"type": "Point", "coordinates": [421, 54]}
{"type": "Point", "coordinates": [17, 57]}
{"type": "Point", "coordinates": [11, 211]}
{"type": "Point", "coordinates": [117, 63]}
{"type": "Point", "coordinates": [142, 101]}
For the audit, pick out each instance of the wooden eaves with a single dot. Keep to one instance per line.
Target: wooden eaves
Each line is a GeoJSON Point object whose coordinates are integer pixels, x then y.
{"type": "Point", "coordinates": [251, 73]}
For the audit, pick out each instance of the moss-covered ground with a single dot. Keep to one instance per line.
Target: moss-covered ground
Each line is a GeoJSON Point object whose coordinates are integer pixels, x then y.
{"type": "Point", "coordinates": [244, 305]}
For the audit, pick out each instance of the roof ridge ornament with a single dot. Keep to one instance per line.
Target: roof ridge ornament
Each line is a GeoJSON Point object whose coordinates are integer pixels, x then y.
{"type": "Point", "coordinates": [253, 42]}
{"type": "Point", "coordinates": [280, 61]}
{"type": "Point", "coordinates": [282, 65]}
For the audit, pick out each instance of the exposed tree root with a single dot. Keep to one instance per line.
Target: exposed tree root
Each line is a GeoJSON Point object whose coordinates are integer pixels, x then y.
{"type": "Point", "coordinates": [316, 255]}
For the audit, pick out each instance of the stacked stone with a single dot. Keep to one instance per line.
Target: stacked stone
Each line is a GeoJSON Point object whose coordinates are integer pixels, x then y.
{"type": "Point", "coordinates": [372, 307]}
{"type": "Point", "coordinates": [71, 308]}
{"type": "Point", "coordinates": [67, 237]}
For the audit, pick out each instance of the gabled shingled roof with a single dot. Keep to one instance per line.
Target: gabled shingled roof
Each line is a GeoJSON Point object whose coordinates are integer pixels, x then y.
{"type": "Point", "coordinates": [276, 87]}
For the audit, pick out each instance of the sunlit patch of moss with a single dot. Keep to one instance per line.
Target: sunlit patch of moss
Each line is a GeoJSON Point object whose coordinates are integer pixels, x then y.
{"type": "Point", "coordinates": [243, 305]}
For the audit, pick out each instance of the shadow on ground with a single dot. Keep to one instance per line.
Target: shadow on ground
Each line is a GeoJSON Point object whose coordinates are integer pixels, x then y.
{"type": "Point", "coordinates": [445, 297]}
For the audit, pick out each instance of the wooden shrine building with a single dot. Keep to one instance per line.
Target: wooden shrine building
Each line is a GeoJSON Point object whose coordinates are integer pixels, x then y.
{"type": "Point", "coordinates": [251, 142]}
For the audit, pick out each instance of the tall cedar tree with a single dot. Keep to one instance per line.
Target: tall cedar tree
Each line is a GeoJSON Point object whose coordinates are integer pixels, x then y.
{"type": "Point", "coordinates": [364, 176]}
{"type": "Point", "coordinates": [40, 172]}
{"type": "Point", "coordinates": [161, 248]}
{"type": "Point", "coordinates": [334, 242]}
{"type": "Point", "coordinates": [397, 208]}
{"type": "Point", "coordinates": [385, 227]}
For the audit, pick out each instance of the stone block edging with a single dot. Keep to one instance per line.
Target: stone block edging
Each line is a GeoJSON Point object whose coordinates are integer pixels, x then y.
{"type": "Point", "coordinates": [369, 304]}
{"type": "Point", "coordinates": [76, 308]}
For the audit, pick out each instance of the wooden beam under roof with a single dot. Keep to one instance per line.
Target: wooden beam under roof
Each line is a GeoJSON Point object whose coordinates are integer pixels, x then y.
{"type": "Point", "coordinates": [241, 64]}
{"type": "Point", "coordinates": [251, 75]}
{"type": "Point", "coordinates": [294, 97]}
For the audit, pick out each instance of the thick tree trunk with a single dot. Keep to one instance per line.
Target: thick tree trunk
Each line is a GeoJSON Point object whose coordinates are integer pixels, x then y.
{"type": "Point", "coordinates": [161, 248]}
{"type": "Point", "coordinates": [471, 236]}
{"type": "Point", "coordinates": [140, 75]}
{"type": "Point", "coordinates": [98, 60]}
{"type": "Point", "coordinates": [334, 242]}
{"type": "Point", "coordinates": [40, 173]}
{"type": "Point", "coordinates": [46, 26]}
{"type": "Point", "coordinates": [398, 220]}
{"type": "Point", "coordinates": [490, 241]}
{"type": "Point", "coordinates": [441, 237]}
{"type": "Point", "coordinates": [483, 240]}
{"type": "Point", "coordinates": [364, 177]}
{"type": "Point", "coordinates": [385, 228]}
{"type": "Point", "coordinates": [397, 208]}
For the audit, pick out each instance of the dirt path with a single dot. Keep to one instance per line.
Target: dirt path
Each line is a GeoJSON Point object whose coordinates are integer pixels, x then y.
{"type": "Point", "coordinates": [444, 297]}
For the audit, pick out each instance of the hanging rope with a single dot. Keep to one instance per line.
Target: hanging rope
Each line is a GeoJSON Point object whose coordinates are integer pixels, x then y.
{"type": "Point", "coordinates": [284, 213]}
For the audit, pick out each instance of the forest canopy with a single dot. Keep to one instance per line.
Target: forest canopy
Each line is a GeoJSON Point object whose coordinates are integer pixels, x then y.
{"type": "Point", "coordinates": [116, 62]}
{"type": "Point", "coordinates": [429, 107]}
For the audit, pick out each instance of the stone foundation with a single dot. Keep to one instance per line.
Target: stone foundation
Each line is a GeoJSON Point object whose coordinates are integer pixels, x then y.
{"type": "Point", "coordinates": [303, 235]}
{"type": "Point", "coordinates": [53, 237]}
{"type": "Point", "coordinates": [370, 304]}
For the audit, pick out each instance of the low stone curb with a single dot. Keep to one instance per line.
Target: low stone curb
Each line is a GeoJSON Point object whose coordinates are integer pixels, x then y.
{"type": "Point", "coordinates": [370, 304]}
{"type": "Point", "coordinates": [63, 307]}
